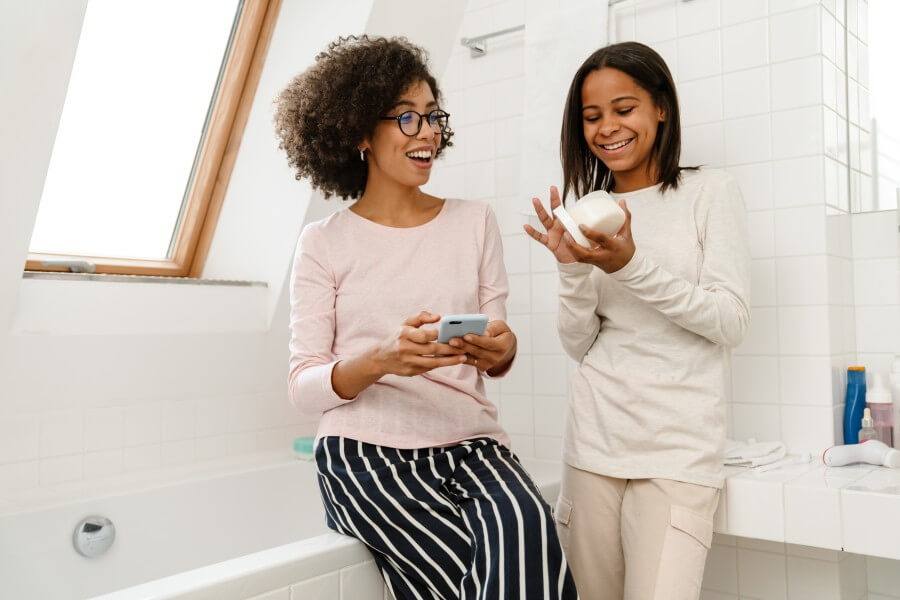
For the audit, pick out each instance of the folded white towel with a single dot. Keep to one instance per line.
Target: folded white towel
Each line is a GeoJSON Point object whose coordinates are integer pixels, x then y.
{"type": "Point", "coordinates": [752, 454]}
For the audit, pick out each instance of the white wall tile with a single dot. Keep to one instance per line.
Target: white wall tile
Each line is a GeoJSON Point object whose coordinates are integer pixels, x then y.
{"type": "Point", "coordinates": [545, 334]}
{"type": "Point", "coordinates": [544, 296]}
{"type": "Point", "coordinates": [550, 376]}
{"type": "Point", "coordinates": [794, 34]}
{"type": "Point", "coordinates": [326, 587]}
{"type": "Point", "coordinates": [697, 16]}
{"type": "Point", "coordinates": [800, 231]}
{"type": "Point", "coordinates": [61, 469]}
{"type": "Point", "coordinates": [104, 428]}
{"type": "Point", "coordinates": [700, 100]}
{"type": "Point", "coordinates": [703, 145]}
{"type": "Point", "coordinates": [738, 11]}
{"type": "Point", "coordinates": [876, 281]}
{"type": "Point", "coordinates": [62, 432]}
{"type": "Point", "coordinates": [754, 379]}
{"type": "Point", "coordinates": [521, 326]}
{"type": "Point", "coordinates": [518, 379]}
{"type": "Point", "coordinates": [699, 56]}
{"type": "Point", "coordinates": [509, 137]}
{"type": "Point", "coordinates": [746, 92]}
{"type": "Point", "coordinates": [137, 458]}
{"type": "Point", "coordinates": [143, 423]}
{"type": "Point", "coordinates": [762, 575]}
{"type": "Point", "coordinates": [807, 429]}
{"type": "Point", "coordinates": [362, 582]}
{"type": "Point", "coordinates": [19, 475]}
{"type": "Point", "coordinates": [874, 235]}
{"type": "Point", "coordinates": [178, 420]}
{"type": "Point", "coordinates": [519, 300]}
{"type": "Point", "coordinates": [548, 448]}
{"type": "Point", "coordinates": [103, 464]}
{"type": "Point", "coordinates": [517, 413]}
{"type": "Point", "coordinates": [761, 233]}
{"type": "Point", "coordinates": [803, 330]}
{"type": "Point", "coordinates": [805, 380]}
{"type": "Point", "coordinates": [797, 83]}
{"type": "Point", "coordinates": [883, 575]}
{"type": "Point", "coordinates": [760, 421]}
{"type": "Point", "coordinates": [797, 132]}
{"type": "Point", "coordinates": [211, 418]}
{"type": "Point", "coordinates": [745, 46]}
{"type": "Point", "coordinates": [721, 569]}
{"type": "Point", "coordinates": [480, 179]}
{"type": "Point", "coordinates": [813, 579]}
{"type": "Point", "coordinates": [281, 594]}
{"type": "Point", "coordinates": [803, 280]}
{"type": "Point", "coordinates": [762, 282]}
{"type": "Point", "coordinates": [550, 415]}
{"type": "Point", "coordinates": [516, 253]}
{"type": "Point", "coordinates": [762, 334]}
{"type": "Point", "coordinates": [656, 22]}
{"type": "Point", "coordinates": [878, 329]}
{"type": "Point", "coordinates": [182, 452]}
{"type": "Point", "coordinates": [755, 183]}
{"type": "Point", "coordinates": [748, 140]}
{"type": "Point", "coordinates": [798, 182]}
{"type": "Point", "coordinates": [668, 50]}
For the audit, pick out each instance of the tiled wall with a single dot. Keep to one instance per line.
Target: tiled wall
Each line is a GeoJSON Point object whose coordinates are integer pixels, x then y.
{"type": "Point", "coordinates": [745, 569]}
{"type": "Point", "coordinates": [358, 582]}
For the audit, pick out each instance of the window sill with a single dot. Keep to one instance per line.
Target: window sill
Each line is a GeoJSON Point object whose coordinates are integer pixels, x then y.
{"type": "Point", "coordinates": [93, 304]}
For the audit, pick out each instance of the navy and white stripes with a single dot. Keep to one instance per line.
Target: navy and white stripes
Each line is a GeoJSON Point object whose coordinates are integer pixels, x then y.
{"type": "Point", "coordinates": [464, 521]}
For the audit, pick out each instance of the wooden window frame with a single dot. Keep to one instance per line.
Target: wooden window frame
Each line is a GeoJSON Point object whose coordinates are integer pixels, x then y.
{"type": "Point", "coordinates": [215, 160]}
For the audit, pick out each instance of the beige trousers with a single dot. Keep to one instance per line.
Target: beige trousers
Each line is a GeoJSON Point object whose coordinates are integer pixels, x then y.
{"type": "Point", "coordinates": [637, 539]}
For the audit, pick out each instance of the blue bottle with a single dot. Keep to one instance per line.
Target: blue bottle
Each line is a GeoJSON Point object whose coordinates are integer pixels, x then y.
{"type": "Point", "coordinates": [855, 403]}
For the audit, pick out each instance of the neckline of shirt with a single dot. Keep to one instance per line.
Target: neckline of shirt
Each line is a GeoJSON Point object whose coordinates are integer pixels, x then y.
{"type": "Point", "coordinates": [388, 228]}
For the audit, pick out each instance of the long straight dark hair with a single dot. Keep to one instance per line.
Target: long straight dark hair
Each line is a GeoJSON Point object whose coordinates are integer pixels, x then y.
{"type": "Point", "coordinates": [582, 171]}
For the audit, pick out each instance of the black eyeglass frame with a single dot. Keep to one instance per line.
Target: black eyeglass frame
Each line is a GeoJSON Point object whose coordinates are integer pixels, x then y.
{"type": "Point", "coordinates": [422, 118]}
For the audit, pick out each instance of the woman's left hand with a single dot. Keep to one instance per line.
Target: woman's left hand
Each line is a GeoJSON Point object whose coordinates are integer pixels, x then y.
{"type": "Point", "coordinates": [491, 351]}
{"type": "Point", "coordinates": [611, 252]}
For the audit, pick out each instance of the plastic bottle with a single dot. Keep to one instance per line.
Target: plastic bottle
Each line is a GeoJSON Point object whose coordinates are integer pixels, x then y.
{"type": "Point", "coordinates": [303, 448]}
{"type": "Point", "coordinates": [854, 404]}
{"type": "Point", "coordinates": [878, 401]}
{"type": "Point", "coordinates": [895, 392]}
{"type": "Point", "coordinates": [867, 431]}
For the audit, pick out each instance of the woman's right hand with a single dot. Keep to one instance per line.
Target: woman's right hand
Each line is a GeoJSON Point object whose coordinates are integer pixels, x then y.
{"type": "Point", "coordinates": [412, 351]}
{"type": "Point", "coordinates": [553, 239]}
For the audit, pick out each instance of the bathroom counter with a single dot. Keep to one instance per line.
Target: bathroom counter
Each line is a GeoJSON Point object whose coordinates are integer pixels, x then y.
{"type": "Point", "coordinates": [855, 508]}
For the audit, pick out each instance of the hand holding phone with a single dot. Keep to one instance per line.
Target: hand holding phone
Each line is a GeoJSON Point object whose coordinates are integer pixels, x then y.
{"type": "Point", "coordinates": [456, 326]}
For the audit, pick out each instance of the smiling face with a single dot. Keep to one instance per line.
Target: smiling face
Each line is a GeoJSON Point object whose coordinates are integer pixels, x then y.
{"type": "Point", "coordinates": [620, 123]}
{"type": "Point", "coordinates": [393, 156]}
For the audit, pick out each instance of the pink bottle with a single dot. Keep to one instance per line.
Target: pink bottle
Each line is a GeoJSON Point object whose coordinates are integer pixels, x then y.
{"type": "Point", "coordinates": [878, 400]}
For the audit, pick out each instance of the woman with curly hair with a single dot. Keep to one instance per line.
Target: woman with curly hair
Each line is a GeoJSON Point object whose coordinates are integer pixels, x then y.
{"type": "Point", "coordinates": [411, 458]}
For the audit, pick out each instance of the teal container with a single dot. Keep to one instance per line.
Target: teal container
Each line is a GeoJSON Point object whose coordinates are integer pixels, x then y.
{"type": "Point", "coordinates": [303, 447]}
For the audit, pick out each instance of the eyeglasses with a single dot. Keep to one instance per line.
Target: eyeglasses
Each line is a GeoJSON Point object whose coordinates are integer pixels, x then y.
{"type": "Point", "coordinates": [410, 122]}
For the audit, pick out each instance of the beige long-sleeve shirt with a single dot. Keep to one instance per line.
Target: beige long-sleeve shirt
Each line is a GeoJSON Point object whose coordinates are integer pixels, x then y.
{"type": "Point", "coordinates": [653, 339]}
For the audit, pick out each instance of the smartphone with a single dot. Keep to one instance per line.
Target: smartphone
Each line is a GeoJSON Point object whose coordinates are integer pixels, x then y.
{"type": "Point", "coordinates": [452, 326]}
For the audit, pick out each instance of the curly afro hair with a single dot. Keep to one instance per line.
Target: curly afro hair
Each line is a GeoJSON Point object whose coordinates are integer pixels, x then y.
{"type": "Point", "coordinates": [326, 111]}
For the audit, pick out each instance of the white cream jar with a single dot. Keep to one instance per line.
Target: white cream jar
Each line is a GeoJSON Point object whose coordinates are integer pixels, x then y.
{"type": "Point", "coordinates": [597, 210]}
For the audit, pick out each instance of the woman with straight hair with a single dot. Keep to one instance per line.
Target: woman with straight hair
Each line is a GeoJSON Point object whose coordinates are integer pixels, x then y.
{"type": "Point", "coordinates": [650, 314]}
{"type": "Point", "coordinates": [411, 459]}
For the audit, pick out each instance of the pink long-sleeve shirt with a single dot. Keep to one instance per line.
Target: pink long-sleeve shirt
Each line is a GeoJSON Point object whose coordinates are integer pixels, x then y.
{"type": "Point", "coordinates": [354, 282]}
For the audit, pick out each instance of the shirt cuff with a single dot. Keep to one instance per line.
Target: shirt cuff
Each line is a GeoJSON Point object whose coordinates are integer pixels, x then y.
{"type": "Point", "coordinates": [575, 269]}
{"type": "Point", "coordinates": [632, 267]}
{"type": "Point", "coordinates": [328, 386]}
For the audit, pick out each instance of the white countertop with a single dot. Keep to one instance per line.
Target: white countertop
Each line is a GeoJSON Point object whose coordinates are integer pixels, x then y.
{"type": "Point", "coordinates": [854, 508]}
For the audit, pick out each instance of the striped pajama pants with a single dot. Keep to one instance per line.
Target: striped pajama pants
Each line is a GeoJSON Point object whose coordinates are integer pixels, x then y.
{"type": "Point", "coordinates": [464, 521]}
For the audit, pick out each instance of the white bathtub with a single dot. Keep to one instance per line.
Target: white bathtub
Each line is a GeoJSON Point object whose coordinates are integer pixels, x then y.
{"type": "Point", "coordinates": [242, 531]}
